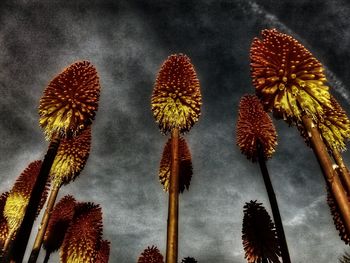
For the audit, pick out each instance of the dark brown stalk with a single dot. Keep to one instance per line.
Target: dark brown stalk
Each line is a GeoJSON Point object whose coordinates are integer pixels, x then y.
{"type": "Point", "coordinates": [20, 243]}
{"type": "Point", "coordinates": [173, 207]}
{"type": "Point", "coordinates": [343, 170]}
{"type": "Point", "coordinates": [274, 206]}
{"type": "Point", "coordinates": [43, 226]}
{"type": "Point", "coordinates": [330, 174]}
{"type": "Point", "coordinates": [47, 257]}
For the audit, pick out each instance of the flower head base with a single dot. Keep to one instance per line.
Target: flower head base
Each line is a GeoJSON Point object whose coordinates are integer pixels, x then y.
{"type": "Point", "coordinates": [259, 235]}
{"type": "Point", "coordinates": [189, 260]}
{"type": "Point", "coordinates": [287, 77]}
{"type": "Point", "coordinates": [176, 98]}
{"type": "Point", "coordinates": [255, 126]}
{"type": "Point", "coordinates": [337, 218]}
{"type": "Point", "coordinates": [151, 255]}
{"type": "Point", "coordinates": [185, 167]}
{"type": "Point", "coordinates": [71, 158]}
{"type": "Point", "coordinates": [3, 223]}
{"type": "Point", "coordinates": [70, 101]}
{"type": "Point", "coordinates": [60, 219]}
{"type": "Point", "coordinates": [103, 252]}
{"type": "Point", "coordinates": [83, 236]}
{"type": "Point", "coordinates": [18, 198]}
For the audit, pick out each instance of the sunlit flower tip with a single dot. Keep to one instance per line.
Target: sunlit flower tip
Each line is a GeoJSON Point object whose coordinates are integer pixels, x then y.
{"type": "Point", "coordinates": [189, 260]}
{"type": "Point", "coordinates": [337, 218]}
{"type": "Point", "coordinates": [185, 166]}
{"type": "Point", "coordinates": [151, 255]}
{"type": "Point", "coordinates": [71, 158]}
{"type": "Point", "coordinates": [70, 101]}
{"type": "Point", "coordinates": [83, 236]}
{"type": "Point", "coordinates": [60, 218]}
{"type": "Point", "coordinates": [103, 252]}
{"type": "Point", "coordinates": [17, 201]}
{"type": "Point", "coordinates": [3, 222]}
{"type": "Point", "coordinates": [335, 126]}
{"type": "Point", "coordinates": [287, 77]}
{"type": "Point", "coordinates": [259, 235]}
{"type": "Point", "coordinates": [255, 126]}
{"type": "Point", "coordinates": [176, 99]}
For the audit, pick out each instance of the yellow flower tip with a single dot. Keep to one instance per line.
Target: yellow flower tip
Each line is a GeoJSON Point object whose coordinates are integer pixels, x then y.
{"type": "Point", "coordinates": [255, 125]}
{"type": "Point", "coordinates": [259, 235]}
{"type": "Point", "coordinates": [15, 209]}
{"type": "Point", "coordinates": [103, 252]}
{"type": "Point", "coordinates": [71, 157]}
{"type": "Point", "coordinates": [337, 217]}
{"type": "Point", "coordinates": [70, 101]}
{"type": "Point", "coordinates": [83, 237]}
{"type": "Point", "coordinates": [287, 77]}
{"type": "Point", "coordinates": [151, 255]}
{"type": "Point", "coordinates": [185, 169]}
{"type": "Point", "coordinates": [176, 99]}
{"type": "Point", "coordinates": [3, 222]}
{"type": "Point", "coordinates": [60, 219]}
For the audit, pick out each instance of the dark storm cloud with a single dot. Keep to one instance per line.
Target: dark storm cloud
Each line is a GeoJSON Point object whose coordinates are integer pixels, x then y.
{"type": "Point", "coordinates": [127, 42]}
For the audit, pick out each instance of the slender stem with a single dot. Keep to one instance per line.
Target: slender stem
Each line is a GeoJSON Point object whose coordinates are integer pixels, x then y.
{"type": "Point", "coordinates": [330, 174]}
{"type": "Point", "coordinates": [344, 172]}
{"type": "Point", "coordinates": [173, 208]}
{"type": "Point", "coordinates": [274, 206]}
{"type": "Point", "coordinates": [44, 222]}
{"type": "Point", "coordinates": [47, 257]}
{"type": "Point", "coordinates": [22, 237]}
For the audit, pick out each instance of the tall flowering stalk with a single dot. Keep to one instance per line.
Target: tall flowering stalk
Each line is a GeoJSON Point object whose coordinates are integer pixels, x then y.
{"type": "Point", "coordinates": [259, 236]}
{"type": "Point", "coordinates": [257, 139]}
{"type": "Point", "coordinates": [67, 107]}
{"type": "Point", "coordinates": [84, 235]}
{"type": "Point", "coordinates": [290, 81]}
{"type": "Point", "coordinates": [70, 160]}
{"type": "Point", "coordinates": [60, 219]}
{"type": "Point", "coordinates": [17, 201]}
{"type": "Point", "coordinates": [151, 255]}
{"type": "Point", "coordinates": [176, 102]}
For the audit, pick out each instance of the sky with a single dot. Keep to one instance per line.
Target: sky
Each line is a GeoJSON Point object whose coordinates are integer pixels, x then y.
{"type": "Point", "coordinates": [127, 41]}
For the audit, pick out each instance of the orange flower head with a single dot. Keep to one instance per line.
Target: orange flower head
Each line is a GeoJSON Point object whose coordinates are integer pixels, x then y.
{"type": "Point", "coordinates": [71, 158]}
{"type": "Point", "coordinates": [3, 222]}
{"type": "Point", "coordinates": [83, 236]}
{"type": "Point", "coordinates": [70, 100]}
{"type": "Point", "coordinates": [60, 218]}
{"type": "Point", "coordinates": [337, 218]}
{"type": "Point", "coordinates": [176, 99]}
{"type": "Point", "coordinates": [255, 126]}
{"type": "Point", "coordinates": [151, 255]}
{"type": "Point", "coordinates": [18, 198]}
{"type": "Point", "coordinates": [185, 169]}
{"type": "Point", "coordinates": [103, 252]}
{"type": "Point", "coordinates": [259, 235]}
{"type": "Point", "coordinates": [287, 77]}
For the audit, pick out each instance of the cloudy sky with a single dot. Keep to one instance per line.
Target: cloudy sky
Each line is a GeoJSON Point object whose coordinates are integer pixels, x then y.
{"type": "Point", "coordinates": [127, 41]}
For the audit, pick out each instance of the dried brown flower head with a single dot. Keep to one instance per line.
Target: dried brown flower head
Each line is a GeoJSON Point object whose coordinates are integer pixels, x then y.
{"type": "Point", "coordinates": [3, 222]}
{"type": "Point", "coordinates": [18, 198]}
{"type": "Point", "coordinates": [337, 218]}
{"type": "Point", "coordinates": [255, 126]}
{"type": "Point", "coordinates": [287, 77]}
{"type": "Point", "coordinates": [70, 101]}
{"type": "Point", "coordinates": [259, 235]}
{"type": "Point", "coordinates": [185, 166]}
{"type": "Point", "coordinates": [151, 255]}
{"type": "Point", "coordinates": [71, 158]}
{"type": "Point", "coordinates": [103, 252]}
{"type": "Point", "coordinates": [176, 98]}
{"type": "Point", "coordinates": [189, 260]}
{"type": "Point", "coordinates": [83, 236]}
{"type": "Point", "coordinates": [60, 218]}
